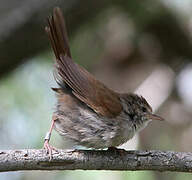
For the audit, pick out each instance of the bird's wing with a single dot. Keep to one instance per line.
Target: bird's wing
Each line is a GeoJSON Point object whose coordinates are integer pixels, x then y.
{"type": "Point", "coordinates": [83, 84]}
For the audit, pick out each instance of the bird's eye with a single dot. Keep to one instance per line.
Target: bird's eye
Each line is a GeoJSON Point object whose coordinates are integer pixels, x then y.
{"type": "Point", "coordinates": [144, 109]}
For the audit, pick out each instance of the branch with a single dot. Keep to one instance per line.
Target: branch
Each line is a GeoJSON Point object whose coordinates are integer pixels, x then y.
{"type": "Point", "coordinates": [31, 159]}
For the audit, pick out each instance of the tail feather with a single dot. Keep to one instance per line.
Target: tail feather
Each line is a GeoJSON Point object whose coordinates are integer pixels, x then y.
{"type": "Point", "coordinates": [58, 34]}
{"type": "Point", "coordinates": [75, 78]}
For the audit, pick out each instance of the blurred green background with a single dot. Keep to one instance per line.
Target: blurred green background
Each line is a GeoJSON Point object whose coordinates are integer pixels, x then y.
{"type": "Point", "coordinates": [132, 46]}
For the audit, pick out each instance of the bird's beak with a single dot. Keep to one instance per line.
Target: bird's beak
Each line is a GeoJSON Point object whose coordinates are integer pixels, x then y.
{"type": "Point", "coordinates": [155, 117]}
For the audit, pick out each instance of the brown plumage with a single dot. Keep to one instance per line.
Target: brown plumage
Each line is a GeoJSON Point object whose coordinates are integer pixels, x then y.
{"type": "Point", "coordinates": [84, 86]}
{"type": "Point", "coordinates": [87, 112]}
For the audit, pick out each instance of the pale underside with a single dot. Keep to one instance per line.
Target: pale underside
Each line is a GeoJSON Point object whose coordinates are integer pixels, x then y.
{"type": "Point", "coordinates": [82, 126]}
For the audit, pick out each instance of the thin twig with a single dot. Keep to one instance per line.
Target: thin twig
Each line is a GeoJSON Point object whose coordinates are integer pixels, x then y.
{"type": "Point", "coordinates": [35, 159]}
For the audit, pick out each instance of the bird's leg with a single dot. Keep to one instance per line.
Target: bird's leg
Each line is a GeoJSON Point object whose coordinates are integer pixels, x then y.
{"type": "Point", "coordinates": [46, 145]}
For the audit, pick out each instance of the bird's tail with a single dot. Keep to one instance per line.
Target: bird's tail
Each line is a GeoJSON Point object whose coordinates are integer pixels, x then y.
{"type": "Point", "coordinates": [57, 32]}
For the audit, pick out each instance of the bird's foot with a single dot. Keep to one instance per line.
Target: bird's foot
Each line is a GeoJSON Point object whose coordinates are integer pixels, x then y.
{"type": "Point", "coordinates": [49, 149]}
{"type": "Point", "coordinates": [116, 150]}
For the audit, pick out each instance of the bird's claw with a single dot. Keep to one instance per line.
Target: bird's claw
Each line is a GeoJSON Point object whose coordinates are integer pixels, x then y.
{"type": "Point", "coordinates": [49, 149]}
{"type": "Point", "coordinates": [122, 152]}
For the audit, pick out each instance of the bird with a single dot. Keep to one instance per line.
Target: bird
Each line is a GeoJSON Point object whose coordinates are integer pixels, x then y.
{"type": "Point", "coordinates": [87, 112]}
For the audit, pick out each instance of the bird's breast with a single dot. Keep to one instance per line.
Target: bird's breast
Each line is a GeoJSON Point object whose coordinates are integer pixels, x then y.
{"type": "Point", "coordinates": [80, 124]}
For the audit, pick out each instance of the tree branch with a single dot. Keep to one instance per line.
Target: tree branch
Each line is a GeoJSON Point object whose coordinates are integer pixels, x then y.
{"type": "Point", "coordinates": [32, 159]}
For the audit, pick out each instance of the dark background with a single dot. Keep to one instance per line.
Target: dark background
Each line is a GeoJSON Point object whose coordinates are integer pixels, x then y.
{"type": "Point", "coordinates": [130, 45]}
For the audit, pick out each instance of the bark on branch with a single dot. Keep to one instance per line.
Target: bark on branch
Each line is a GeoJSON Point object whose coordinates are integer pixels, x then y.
{"type": "Point", "coordinates": [34, 159]}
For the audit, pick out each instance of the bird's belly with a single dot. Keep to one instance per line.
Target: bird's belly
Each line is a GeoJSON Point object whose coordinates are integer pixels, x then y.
{"type": "Point", "coordinates": [84, 127]}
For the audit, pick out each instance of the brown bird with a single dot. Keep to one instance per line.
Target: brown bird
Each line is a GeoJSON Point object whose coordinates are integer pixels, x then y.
{"type": "Point", "coordinates": [87, 112]}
